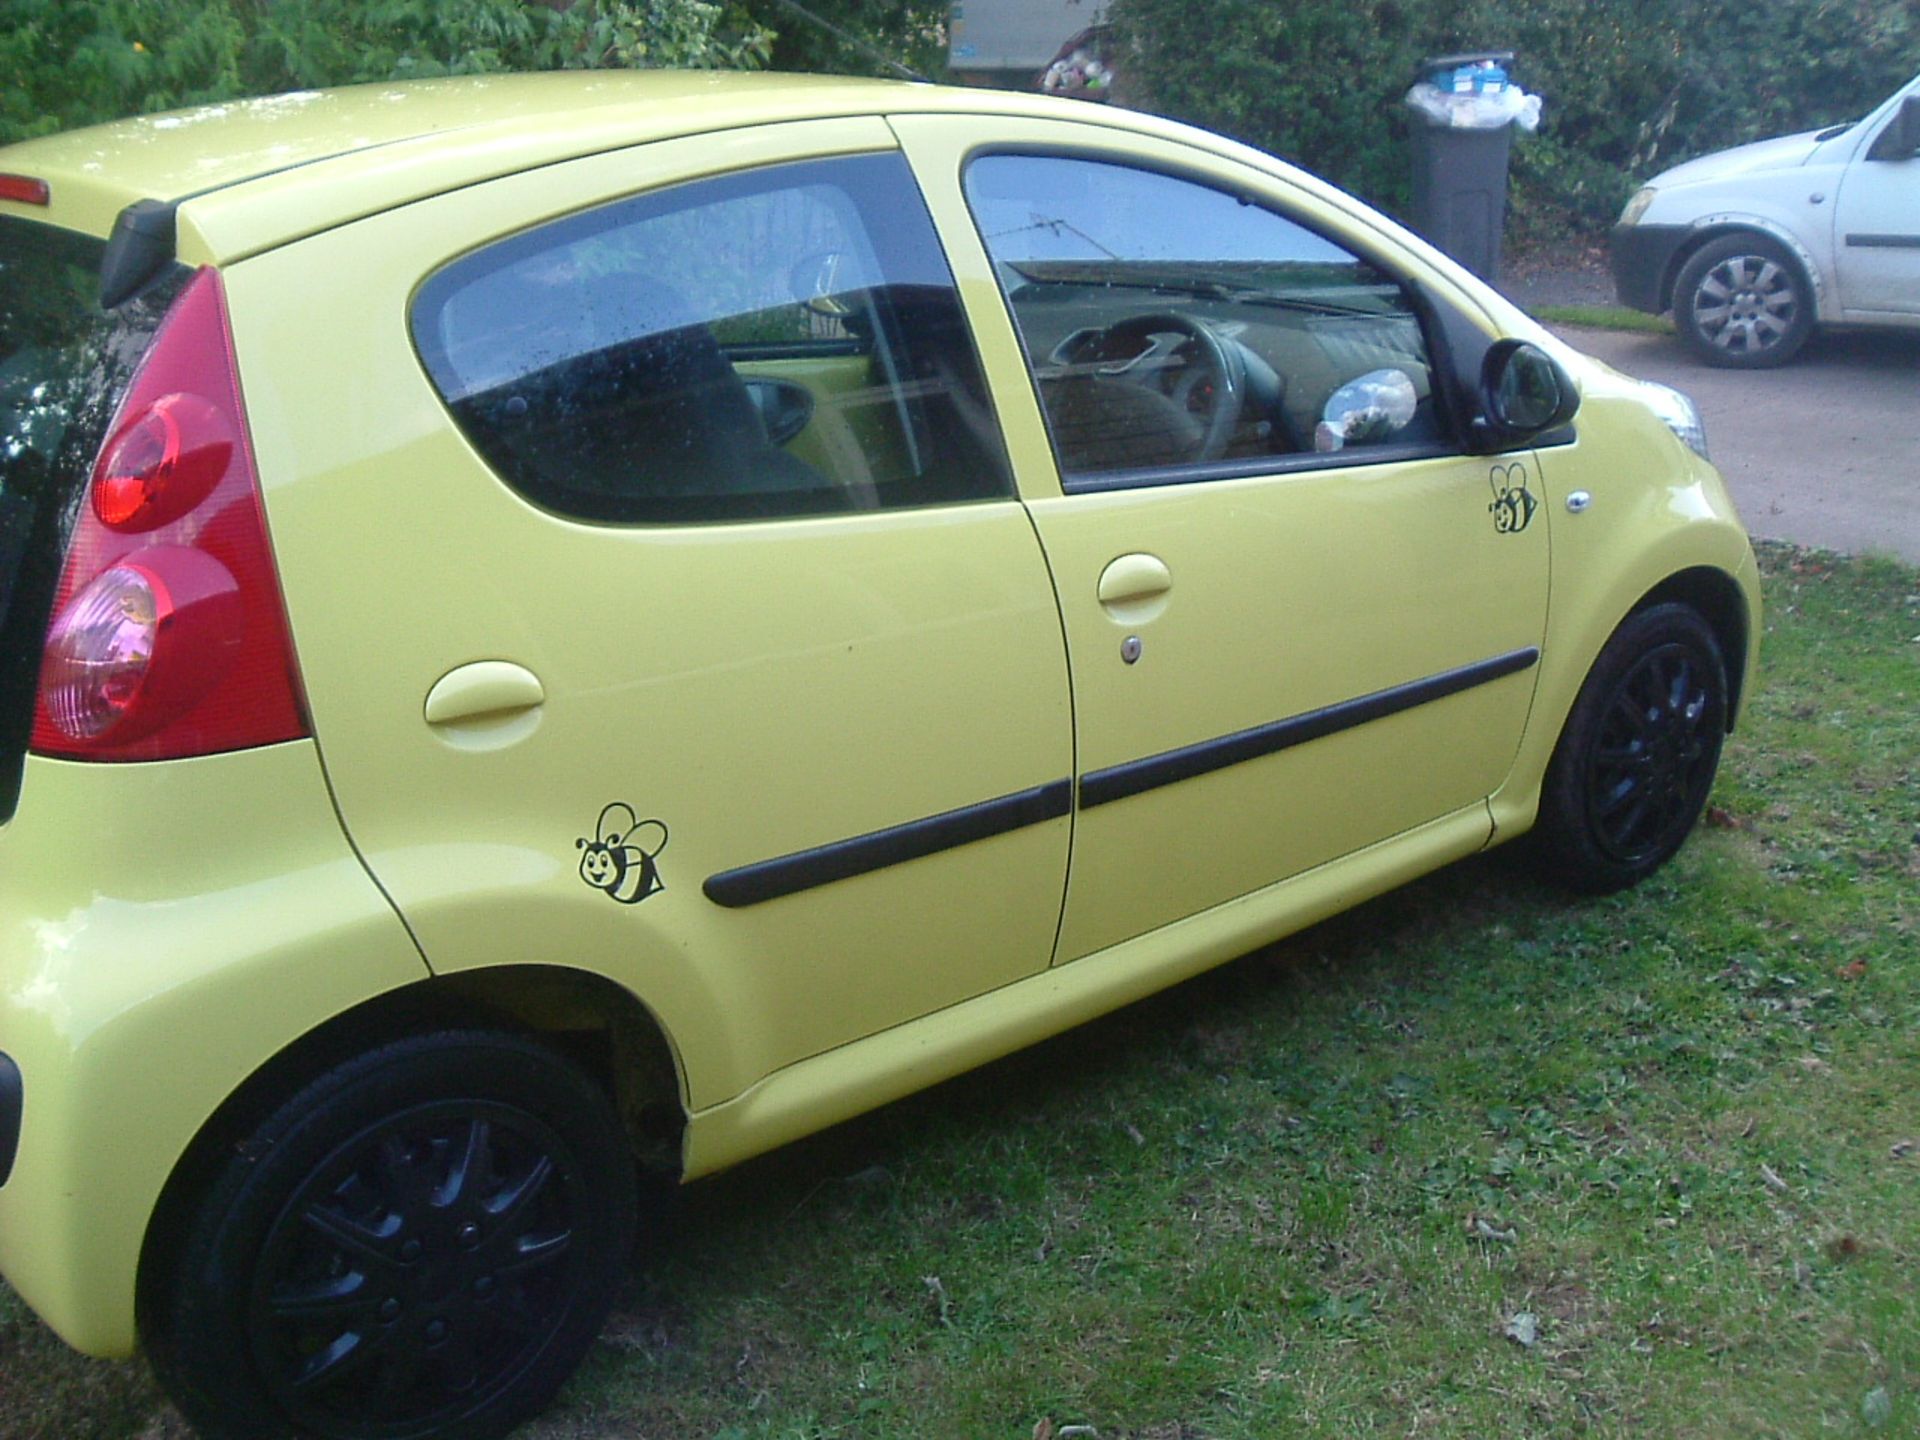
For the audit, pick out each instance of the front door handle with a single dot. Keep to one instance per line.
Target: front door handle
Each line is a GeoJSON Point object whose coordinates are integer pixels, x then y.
{"type": "Point", "coordinates": [1135, 588]}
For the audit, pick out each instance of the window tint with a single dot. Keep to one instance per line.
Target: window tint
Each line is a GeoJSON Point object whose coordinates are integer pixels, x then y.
{"type": "Point", "coordinates": [785, 341]}
{"type": "Point", "coordinates": [1169, 324]}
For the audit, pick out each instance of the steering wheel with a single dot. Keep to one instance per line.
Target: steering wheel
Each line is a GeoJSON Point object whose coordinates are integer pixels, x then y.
{"type": "Point", "coordinates": [1211, 384]}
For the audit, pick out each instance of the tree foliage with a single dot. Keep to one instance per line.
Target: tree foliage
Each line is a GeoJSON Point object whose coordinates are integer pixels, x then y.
{"type": "Point", "coordinates": [1630, 86]}
{"type": "Point", "coordinates": [911, 32]}
{"type": "Point", "coordinates": [72, 62]}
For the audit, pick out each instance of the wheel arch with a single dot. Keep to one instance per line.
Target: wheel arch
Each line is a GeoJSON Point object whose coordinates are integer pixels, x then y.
{"type": "Point", "coordinates": [1719, 600]}
{"type": "Point", "coordinates": [1714, 590]}
{"type": "Point", "coordinates": [1719, 227]}
{"type": "Point", "coordinates": [605, 1029]}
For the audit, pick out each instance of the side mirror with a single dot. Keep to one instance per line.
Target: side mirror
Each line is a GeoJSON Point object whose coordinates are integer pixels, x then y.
{"type": "Point", "coordinates": [1901, 139]}
{"type": "Point", "coordinates": [1523, 393]}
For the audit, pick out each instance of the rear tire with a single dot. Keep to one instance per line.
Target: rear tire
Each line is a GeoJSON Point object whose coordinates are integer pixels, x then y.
{"type": "Point", "coordinates": [1636, 761]}
{"type": "Point", "coordinates": [1741, 302]}
{"type": "Point", "coordinates": [421, 1243]}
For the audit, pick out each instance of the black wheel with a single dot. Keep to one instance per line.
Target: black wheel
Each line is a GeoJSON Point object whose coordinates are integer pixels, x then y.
{"type": "Point", "coordinates": [1741, 301]}
{"type": "Point", "coordinates": [421, 1243]}
{"type": "Point", "coordinates": [1637, 758]}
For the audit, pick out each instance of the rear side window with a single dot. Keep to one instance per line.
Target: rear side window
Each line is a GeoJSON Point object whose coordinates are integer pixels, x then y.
{"type": "Point", "coordinates": [64, 364]}
{"type": "Point", "coordinates": [783, 341]}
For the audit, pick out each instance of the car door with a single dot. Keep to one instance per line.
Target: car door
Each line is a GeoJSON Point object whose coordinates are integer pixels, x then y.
{"type": "Point", "coordinates": [660, 591]}
{"type": "Point", "coordinates": [1300, 620]}
{"type": "Point", "coordinates": [1876, 220]}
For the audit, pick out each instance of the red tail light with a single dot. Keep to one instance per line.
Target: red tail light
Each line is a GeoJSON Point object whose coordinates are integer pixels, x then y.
{"type": "Point", "coordinates": [169, 637]}
{"type": "Point", "coordinates": [25, 189]}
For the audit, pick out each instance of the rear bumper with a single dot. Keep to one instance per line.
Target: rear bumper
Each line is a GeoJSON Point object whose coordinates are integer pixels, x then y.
{"type": "Point", "coordinates": [164, 930]}
{"type": "Point", "coordinates": [1642, 258]}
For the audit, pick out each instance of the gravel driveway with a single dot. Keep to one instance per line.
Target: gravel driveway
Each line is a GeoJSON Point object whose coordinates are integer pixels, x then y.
{"type": "Point", "coordinates": [1824, 451]}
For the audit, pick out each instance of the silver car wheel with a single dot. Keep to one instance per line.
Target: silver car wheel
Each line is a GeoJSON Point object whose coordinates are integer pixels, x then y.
{"type": "Point", "coordinates": [1740, 301]}
{"type": "Point", "coordinates": [1746, 303]}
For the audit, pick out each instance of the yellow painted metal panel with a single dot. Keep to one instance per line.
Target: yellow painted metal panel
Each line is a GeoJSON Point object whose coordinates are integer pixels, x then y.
{"type": "Point", "coordinates": [843, 1083]}
{"type": "Point", "coordinates": [757, 688]}
{"type": "Point", "coordinates": [320, 157]}
{"type": "Point", "coordinates": [1289, 593]}
{"type": "Point", "coordinates": [165, 929]}
{"type": "Point", "coordinates": [1657, 509]}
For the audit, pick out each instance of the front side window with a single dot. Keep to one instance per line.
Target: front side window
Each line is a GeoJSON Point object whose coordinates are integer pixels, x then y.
{"type": "Point", "coordinates": [783, 341]}
{"type": "Point", "coordinates": [1169, 324]}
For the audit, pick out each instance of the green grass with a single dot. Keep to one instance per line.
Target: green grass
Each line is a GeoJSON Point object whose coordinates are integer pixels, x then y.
{"type": "Point", "coordinates": [1603, 317]}
{"type": "Point", "coordinates": [1310, 1194]}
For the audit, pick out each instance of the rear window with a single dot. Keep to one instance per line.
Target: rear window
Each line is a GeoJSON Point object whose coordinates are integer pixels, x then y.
{"type": "Point", "coordinates": [780, 342]}
{"type": "Point", "coordinates": [64, 363]}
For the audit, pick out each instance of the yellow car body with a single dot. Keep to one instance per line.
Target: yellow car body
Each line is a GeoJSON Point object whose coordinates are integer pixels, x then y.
{"type": "Point", "coordinates": [185, 941]}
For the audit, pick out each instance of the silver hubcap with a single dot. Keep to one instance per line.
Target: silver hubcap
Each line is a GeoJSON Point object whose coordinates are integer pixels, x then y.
{"type": "Point", "coordinates": [1745, 304]}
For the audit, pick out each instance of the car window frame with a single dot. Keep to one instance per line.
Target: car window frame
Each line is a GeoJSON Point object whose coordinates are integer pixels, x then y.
{"type": "Point", "coordinates": [1435, 331]}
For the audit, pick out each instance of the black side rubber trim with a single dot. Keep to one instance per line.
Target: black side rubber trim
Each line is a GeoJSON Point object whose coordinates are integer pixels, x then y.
{"type": "Point", "coordinates": [10, 1107]}
{"type": "Point", "coordinates": [843, 859]}
{"type": "Point", "coordinates": [1102, 787]}
{"type": "Point", "coordinates": [1884, 242]}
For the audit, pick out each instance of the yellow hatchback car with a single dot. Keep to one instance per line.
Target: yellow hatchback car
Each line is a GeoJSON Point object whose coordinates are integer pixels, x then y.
{"type": "Point", "coordinates": [559, 629]}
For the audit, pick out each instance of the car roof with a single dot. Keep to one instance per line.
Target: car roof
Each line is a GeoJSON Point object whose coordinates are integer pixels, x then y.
{"type": "Point", "coordinates": [248, 174]}
{"type": "Point", "coordinates": [183, 152]}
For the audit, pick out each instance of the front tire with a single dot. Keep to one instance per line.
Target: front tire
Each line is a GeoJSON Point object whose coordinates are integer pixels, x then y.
{"type": "Point", "coordinates": [1742, 302]}
{"type": "Point", "coordinates": [1636, 761]}
{"type": "Point", "coordinates": [421, 1243]}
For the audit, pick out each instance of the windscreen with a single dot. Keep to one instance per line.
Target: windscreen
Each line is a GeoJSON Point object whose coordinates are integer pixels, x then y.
{"type": "Point", "coordinates": [64, 363]}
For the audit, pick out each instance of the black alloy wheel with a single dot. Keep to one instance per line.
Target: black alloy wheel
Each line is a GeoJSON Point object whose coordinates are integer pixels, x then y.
{"type": "Point", "coordinates": [424, 1249]}
{"type": "Point", "coordinates": [419, 1268]}
{"type": "Point", "coordinates": [1653, 761]}
{"type": "Point", "coordinates": [1637, 758]}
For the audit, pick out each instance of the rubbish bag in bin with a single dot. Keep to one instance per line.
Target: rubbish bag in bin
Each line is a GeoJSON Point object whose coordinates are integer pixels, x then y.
{"type": "Point", "coordinates": [1476, 109]}
{"type": "Point", "coordinates": [1465, 108]}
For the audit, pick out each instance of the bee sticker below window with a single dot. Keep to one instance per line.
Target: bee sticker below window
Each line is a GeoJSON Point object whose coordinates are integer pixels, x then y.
{"type": "Point", "coordinates": [1513, 504]}
{"type": "Point", "coordinates": [621, 858]}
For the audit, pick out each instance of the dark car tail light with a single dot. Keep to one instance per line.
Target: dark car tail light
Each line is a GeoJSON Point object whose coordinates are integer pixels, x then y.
{"type": "Point", "coordinates": [169, 635]}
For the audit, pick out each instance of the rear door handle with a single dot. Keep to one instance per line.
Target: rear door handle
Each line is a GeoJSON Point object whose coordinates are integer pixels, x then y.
{"type": "Point", "coordinates": [484, 690]}
{"type": "Point", "coordinates": [1135, 588]}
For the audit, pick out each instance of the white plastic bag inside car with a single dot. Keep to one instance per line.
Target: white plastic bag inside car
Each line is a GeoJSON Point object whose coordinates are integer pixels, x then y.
{"type": "Point", "coordinates": [1366, 411]}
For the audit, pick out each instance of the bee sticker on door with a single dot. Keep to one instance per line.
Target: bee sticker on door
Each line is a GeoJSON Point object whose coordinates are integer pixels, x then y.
{"type": "Point", "coordinates": [1513, 504]}
{"type": "Point", "coordinates": [622, 858]}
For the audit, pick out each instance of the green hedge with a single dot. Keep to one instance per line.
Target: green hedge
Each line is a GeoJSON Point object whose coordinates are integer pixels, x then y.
{"type": "Point", "coordinates": [1630, 86]}
{"type": "Point", "coordinates": [65, 63]}
{"type": "Point", "coordinates": [72, 62]}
